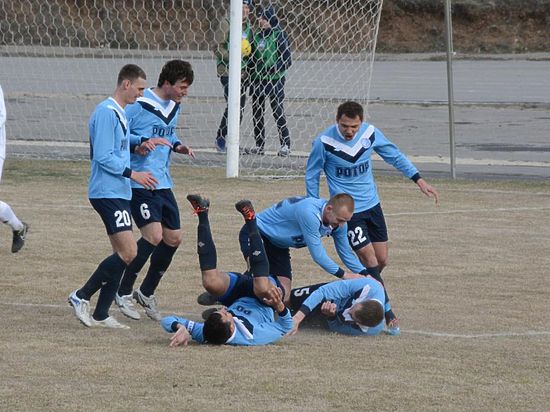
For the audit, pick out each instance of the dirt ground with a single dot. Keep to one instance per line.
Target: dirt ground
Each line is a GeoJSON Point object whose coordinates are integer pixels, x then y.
{"type": "Point", "coordinates": [502, 26]}
{"type": "Point", "coordinates": [467, 278]}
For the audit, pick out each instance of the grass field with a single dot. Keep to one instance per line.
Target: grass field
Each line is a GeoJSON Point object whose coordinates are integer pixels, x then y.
{"type": "Point", "coordinates": [469, 280]}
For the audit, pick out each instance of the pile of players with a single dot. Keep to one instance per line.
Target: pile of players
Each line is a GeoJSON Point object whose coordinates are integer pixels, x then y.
{"type": "Point", "coordinates": [132, 136]}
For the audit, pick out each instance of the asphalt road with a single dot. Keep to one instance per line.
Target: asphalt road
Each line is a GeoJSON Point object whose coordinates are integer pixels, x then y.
{"type": "Point", "coordinates": [502, 109]}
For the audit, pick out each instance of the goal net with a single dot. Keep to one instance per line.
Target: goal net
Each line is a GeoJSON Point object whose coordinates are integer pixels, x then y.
{"type": "Point", "coordinates": [60, 58]}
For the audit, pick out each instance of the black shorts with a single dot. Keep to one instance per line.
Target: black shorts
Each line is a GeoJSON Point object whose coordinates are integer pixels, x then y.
{"type": "Point", "coordinates": [278, 258]}
{"type": "Point", "coordinates": [155, 206]}
{"type": "Point", "coordinates": [115, 214]}
{"type": "Point", "coordinates": [241, 285]}
{"type": "Point", "coordinates": [366, 227]}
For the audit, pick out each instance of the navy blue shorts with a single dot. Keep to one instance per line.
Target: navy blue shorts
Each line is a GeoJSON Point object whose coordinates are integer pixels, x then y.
{"type": "Point", "coordinates": [366, 227]}
{"type": "Point", "coordinates": [241, 285]}
{"type": "Point", "coordinates": [115, 214]}
{"type": "Point", "coordinates": [278, 258]}
{"type": "Point", "coordinates": [155, 206]}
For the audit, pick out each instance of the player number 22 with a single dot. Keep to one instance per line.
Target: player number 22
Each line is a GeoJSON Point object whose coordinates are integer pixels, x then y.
{"type": "Point", "coordinates": [356, 236]}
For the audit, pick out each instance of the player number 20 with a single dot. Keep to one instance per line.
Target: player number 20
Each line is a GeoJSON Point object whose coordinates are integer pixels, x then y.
{"type": "Point", "coordinates": [122, 218]}
{"type": "Point", "coordinates": [356, 236]}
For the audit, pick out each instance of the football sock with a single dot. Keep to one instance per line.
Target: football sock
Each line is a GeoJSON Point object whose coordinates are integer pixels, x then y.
{"type": "Point", "coordinates": [160, 260]}
{"type": "Point", "coordinates": [105, 278]}
{"type": "Point", "coordinates": [8, 217]}
{"type": "Point", "coordinates": [144, 250]}
{"type": "Point", "coordinates": [205, 244]}
{"type": "Point", "coordinates": [375, 273]}
{"type": "Point", "coordinates": [259, 265]}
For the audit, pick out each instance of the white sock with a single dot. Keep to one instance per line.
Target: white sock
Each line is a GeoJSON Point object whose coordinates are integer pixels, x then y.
{"type": "Point", "coordinates": [8, 217]}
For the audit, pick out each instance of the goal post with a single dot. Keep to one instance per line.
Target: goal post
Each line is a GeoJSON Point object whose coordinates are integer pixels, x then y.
{"type": "Point", "coordinates": [60, 58]}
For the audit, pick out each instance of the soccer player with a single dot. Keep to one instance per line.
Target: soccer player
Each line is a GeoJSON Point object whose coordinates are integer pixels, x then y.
{"type": "Point", "coordinates": [7, 216]}
{"type": "Point", "coordinates": [152, 125]}
{"type": "Point", "coordinates": [109, 191]}
{"type": "Point", "coordinates": [352, 307]}
{"type": "Point", "coordinates": [298, 222]}
{"type": "Point", "coordinates": [343, 152]}
{"type": "Point", "coordinates": [221, 51]}
{"type": "Point", "coordinates": [246, 321]}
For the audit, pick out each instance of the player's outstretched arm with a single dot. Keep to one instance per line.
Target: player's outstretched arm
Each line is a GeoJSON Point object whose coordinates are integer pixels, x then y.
{"type": "Point", "coordinates": [181, 337]}
{"type": "Point", "coordinates": [182, 149]}
{"type": "Point", "coordinates": [428, 190]}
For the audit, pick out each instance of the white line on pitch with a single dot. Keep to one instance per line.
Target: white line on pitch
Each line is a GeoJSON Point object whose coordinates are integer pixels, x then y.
{"type": "Point", "coordinates": [413, 332]}
{"type": "Point", "coordinates": [477, 336]}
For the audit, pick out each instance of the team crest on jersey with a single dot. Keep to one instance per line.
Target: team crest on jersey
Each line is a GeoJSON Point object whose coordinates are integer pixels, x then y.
{"type": "Point", "coordinates": [350, 153]}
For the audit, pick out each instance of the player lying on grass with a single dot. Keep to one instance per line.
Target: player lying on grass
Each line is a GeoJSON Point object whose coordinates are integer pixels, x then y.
{"type": "Point", "coordinates": [352, 307]}
{"type": "Point", "coordinates": [246, 320]}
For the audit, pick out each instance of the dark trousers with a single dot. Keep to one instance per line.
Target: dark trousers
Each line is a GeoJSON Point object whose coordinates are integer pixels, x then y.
{"type": "Point", "coordinates": [222, 130]}
{"type": "Point", "coordinates": [275, 90]}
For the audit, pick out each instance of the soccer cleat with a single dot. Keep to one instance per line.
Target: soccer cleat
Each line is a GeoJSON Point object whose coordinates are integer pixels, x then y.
{"type": "Point", "coordinates": [220, 145]}
{"type": "Point", "coordinates": [149, 304]}
{"type": "Point", "coordinates": [206, 314]}
{"type": "Point", "coordinates": [255, 151]}
{"type": "Point", "coordinates": [199, 203]}
{"type": "Point", "coordinates": [126, 306]}
{"type": "Point", "coordinates": [392, 328]}
{"type": "Point", "coordinates": [19, 238]}
{"type": "Point", "coordinates": [81, 309]}
{"type": "Point", "coordinates": [206, 299]}
{"type": "Point", "coordinates": [246, 209]}
{"type": "Point", "coordinates": [110, 323]}
{"type": "Point", "coordinates": [284, 151]}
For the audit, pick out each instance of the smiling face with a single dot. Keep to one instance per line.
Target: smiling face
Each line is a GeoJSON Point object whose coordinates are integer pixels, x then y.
{"type": "Point", "coordinates": [176, 91]}
{"type": "Point", "coordinates": [132, 89]}
{"type": "Point", "coordinates": [335, 217]}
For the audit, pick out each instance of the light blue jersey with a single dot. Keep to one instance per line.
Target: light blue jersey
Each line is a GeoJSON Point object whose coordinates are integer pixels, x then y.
{"type": "Point", "coordinates": [255, 324]}
{"type": "Point", "coordinates": [345, 294]}
{"type": "Point", "coordinates": [109, 152]}
{"type": "Point", "coordinates": [348, 165]}
{"type": "Point", "coordinates": [151, 117]}
{"type": "Point", "coordinates": [296, 222]}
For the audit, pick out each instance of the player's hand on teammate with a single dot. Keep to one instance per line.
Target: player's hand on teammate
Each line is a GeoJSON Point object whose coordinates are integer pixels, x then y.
{"type": "Point", "coordinates": [296, 320]}
{"type": "Point", "coordinates": [428, 190]}
{"type": "Point", "coordinates": [150, 144]}
{"type": "Point", "coordinates": [348, 275]}
{"type": "Point", "coordinates": [185, 150]}
{"type": "Point", "coordinates": [146, 179]}
{"type": "Point", "coordinates": [181, 337]}
{"type": "Point", "coordinates": [273, 298]}
{"type": "Point", "coordinates": [328, 309]}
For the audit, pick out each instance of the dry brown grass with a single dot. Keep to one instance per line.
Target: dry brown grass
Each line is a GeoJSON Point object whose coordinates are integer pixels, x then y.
{"type": "Point", "coordinates": [469, 280]}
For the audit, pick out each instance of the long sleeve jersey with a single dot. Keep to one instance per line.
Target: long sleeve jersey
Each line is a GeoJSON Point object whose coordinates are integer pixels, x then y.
{"type": "Point", "coordinates": [255, 324]}
{"type": "Point", "coordinates": [297, 222]}
{"type": "Point", "coordinates": [348, 165]}
{"type": "Point", "coordinates": [151, 117]}
{"type": "Point", "coordinates": [109, 152]}
{"type": "Point", "coordinates": [345, 294]}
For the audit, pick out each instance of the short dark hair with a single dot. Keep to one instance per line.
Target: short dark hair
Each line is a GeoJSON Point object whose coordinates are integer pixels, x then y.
{"type": "Point", "coordinates": [342, 200]}
{"type": "Point", "coordinates": [130, 72]}
{"type": "Point", "coordinates": [369, 313]}
{"type": "Point", "coordinates": [215, 330]}
{"type": "Point", "coordinates": [175, 70]}
{"type": "Point", "coordinates": [351, 110]}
